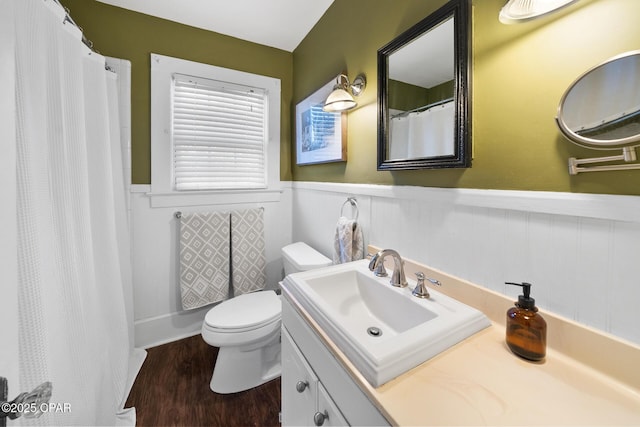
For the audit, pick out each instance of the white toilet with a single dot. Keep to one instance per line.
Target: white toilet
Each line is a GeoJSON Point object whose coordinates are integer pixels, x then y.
{"type": "Point", "coordinates": [247, 329]}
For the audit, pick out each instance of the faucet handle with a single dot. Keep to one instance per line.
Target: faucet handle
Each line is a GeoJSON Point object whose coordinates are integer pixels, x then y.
{"type": "Point", "coordinates": [380, 271]}
{"type": "Point", "coordinates": [377, 266]}
{"type": "Point", "coordinates": [420, 290]}
{"type": "Point", "coordinates": [435, 282]}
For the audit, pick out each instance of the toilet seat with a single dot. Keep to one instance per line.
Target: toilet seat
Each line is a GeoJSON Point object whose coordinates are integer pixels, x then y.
{"type": "Point", "coordinates": [244, 313]}
{"type": "Point", "coordinates": [246, 329]}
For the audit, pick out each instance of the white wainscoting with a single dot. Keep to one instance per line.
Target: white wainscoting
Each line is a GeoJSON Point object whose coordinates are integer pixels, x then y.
{"type": "Point", "coordinates": [579, 251]}
{"type": "Point", "coordinates": [159, 317]}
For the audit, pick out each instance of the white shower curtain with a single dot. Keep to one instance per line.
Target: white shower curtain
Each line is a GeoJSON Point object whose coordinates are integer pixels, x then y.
{"type": "Point", "coordinates": [427, 133]}
{"type": "Point", "coordinates": [71, 222]}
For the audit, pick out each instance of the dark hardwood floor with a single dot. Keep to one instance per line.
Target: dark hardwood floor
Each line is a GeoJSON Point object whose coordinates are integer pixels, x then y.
{"type": "Point", "coordinates": [172, 389]}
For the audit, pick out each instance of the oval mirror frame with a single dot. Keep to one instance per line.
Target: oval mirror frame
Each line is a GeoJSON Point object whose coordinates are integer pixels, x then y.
{"type": "Point", "coordinates": [623, 127]}
{"type": "Point", "coordinates": [461, 157]}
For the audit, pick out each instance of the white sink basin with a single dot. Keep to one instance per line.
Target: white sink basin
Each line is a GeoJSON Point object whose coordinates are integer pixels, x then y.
{"type": "Point", "coordinates": [383, 330]}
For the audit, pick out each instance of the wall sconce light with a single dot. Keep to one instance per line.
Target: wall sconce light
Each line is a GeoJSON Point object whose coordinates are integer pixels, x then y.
{"type": "Point", "coordinates": [517, 11]}
{"type": "Point", "coordinates": [340, 99]}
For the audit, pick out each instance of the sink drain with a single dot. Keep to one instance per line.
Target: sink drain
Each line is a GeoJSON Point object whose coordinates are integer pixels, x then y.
{"type": "Point", "coordinates": [374, 332]}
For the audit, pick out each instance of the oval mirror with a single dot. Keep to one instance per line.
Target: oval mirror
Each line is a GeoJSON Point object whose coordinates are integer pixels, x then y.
{"type": "Point", "coordinates": [601, 109]}
{"type": "Point", "coordinates": [423, 74]}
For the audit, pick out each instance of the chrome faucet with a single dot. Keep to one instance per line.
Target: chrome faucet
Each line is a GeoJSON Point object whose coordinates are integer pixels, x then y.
{"type": "Point", "coordinates": [377, 266]}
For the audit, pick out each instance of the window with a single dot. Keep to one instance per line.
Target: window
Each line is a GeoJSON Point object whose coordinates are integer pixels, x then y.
{"type": "Point", "coordinates": [218, 135]}
{"type": "Point", "coordinates": [213, 130]}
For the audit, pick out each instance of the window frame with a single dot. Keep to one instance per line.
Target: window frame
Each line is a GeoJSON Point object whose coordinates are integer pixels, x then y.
{"type": "Point", "coordinates": [163, 191]}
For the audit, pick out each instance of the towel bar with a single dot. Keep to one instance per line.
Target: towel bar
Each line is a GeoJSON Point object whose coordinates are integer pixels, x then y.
{"type": "Point", "coordinates": [354, 203]}
{"type": "Point", "coordinates": [178, 214]}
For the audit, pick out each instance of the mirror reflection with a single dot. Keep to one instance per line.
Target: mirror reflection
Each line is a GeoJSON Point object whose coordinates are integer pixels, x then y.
{"type": "Point", "coordinates": [601, 109]}
{"type": "Point", "coordinates": [422, 93]}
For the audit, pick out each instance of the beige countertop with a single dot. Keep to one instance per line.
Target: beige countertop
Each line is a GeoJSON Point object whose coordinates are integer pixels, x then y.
{"type": "Point", "coordinates": [479, 382]}
{"type": "Point", "coordinates": [587, 378]}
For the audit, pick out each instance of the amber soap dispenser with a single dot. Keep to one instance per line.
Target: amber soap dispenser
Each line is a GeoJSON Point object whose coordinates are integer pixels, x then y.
{"type": "Point", "coordinates": [526, 329]}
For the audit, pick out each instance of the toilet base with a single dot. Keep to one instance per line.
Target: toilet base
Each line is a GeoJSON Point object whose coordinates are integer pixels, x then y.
{"type": "Point", "coordinates": [245, 367]}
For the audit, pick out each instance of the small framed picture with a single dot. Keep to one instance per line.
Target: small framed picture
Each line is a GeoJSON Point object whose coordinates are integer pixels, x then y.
{"type": "Point", "coordinates": [321, 136]}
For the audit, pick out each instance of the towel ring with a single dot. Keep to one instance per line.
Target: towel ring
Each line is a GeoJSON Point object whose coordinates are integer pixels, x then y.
{"type": "Point", "coordinates": [354, 203]}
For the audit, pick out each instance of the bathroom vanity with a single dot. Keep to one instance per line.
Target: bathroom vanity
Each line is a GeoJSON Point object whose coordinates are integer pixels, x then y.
{"type": "Point", "coordinates": [316, 389]}
{"type": "Point", "coordinates": [587, 378]}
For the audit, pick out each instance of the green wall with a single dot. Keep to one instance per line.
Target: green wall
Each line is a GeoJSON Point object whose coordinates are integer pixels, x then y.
{"type": "Point", "coordinates": [405, 96]}
{"type": "Point", "coordinates": [519, 73]}
{"type": "Point", "coordinates": [134, 36]}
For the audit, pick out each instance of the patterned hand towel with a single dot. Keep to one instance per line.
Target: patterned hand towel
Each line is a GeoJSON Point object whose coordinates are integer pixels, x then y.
{"type": "Point", "coordinates": [348, 243]}
{"type": "Point", "coordinates": [248, 265]}
{"type": "Point", "coordinates": [204, 258]}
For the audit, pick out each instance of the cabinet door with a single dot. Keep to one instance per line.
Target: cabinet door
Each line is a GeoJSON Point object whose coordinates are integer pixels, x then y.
{"type": "Point", "coordinates": [328, 412]}
{"type": "Point", "coordinates": [299, 386]}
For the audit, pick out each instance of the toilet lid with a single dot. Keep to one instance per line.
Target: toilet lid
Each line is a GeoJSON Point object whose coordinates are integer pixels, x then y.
{"type": "Point", "coordinates": [245, 311]}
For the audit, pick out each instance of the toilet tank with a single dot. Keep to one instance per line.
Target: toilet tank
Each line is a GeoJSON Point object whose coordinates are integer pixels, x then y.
{"type": "Point", "coordinates": [301, 257]}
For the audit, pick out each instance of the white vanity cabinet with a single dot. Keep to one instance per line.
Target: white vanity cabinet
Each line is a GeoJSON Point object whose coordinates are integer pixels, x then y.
{"type": "Point", "coordinates": [316, 389]}
{"type": "Point", "coordinates": [305, 402]}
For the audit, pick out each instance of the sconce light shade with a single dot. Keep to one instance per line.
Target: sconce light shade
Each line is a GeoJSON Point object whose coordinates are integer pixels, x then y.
{"type": "Point", "coordinates": [340, 99]}
{"type": "Point", "coordinates": [517, 11]}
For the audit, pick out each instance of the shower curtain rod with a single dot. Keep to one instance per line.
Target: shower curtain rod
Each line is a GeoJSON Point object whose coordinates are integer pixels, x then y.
{"type": "Point", "coordinates": [68, 18]}
{"type": "Point", "coordinates": [423, 108]}
{"type": "Point", "coordinates": [86, 41]}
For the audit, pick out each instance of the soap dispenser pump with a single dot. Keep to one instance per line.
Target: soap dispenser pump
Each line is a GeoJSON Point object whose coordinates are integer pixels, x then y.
{"type": "Point", "coordinates": [526, 329]}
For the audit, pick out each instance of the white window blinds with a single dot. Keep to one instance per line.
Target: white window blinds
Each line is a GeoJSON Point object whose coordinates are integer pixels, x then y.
{"type": "Point", "coordinates": [219, 135]}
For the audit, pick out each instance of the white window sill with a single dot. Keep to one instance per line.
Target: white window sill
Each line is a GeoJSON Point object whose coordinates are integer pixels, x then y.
{"type": "Point", "coordinates": [201, 198]}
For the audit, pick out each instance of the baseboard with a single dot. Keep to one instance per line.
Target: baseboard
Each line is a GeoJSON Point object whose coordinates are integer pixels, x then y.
{"type": "Point", "coordinates": [167, 328]}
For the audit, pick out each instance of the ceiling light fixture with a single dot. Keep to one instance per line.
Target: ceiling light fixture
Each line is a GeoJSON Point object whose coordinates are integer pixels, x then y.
{"type": "Point", "coordinates": [517, 11]}
{"type": "Point", "coordinates": [340, 99]}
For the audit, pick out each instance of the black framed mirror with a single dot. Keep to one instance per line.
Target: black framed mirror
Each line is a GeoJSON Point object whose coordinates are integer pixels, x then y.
{"type": "Point", "coordinates": [424, 117]}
